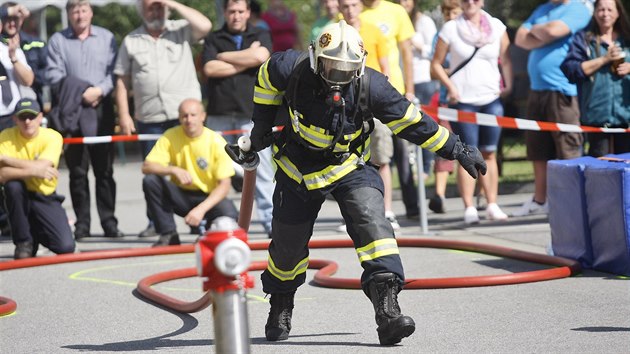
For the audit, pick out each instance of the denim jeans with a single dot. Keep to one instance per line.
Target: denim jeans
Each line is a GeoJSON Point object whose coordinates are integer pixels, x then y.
{"type": "Point", "coordinates": [483, 137]}
{"type": "Point", "coordinates": [265, 184]}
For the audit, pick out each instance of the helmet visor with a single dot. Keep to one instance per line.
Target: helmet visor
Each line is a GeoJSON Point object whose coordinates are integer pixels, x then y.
{"type": "Point", "coordinates": [338, 71]}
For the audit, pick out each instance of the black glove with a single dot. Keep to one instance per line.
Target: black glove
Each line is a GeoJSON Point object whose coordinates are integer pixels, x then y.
{"type": "Point", "coordinates": [469, 158]}
{"type": "Point", "coordinates": [261, 136]}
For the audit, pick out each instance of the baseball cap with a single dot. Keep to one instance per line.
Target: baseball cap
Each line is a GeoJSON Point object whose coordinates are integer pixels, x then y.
{"type": "Point", "coordinates": [27, 105]}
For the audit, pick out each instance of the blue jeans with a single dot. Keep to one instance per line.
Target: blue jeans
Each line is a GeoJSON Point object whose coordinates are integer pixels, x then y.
{"type": "Point", "coordinates": [153, 128]}
{"type": "Point", "coordinates": [483, 137]}
{"type": "Point", "coordinates": [265, 184]}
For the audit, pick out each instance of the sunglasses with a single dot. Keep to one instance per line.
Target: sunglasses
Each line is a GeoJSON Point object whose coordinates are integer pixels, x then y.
{"type": "Point", "coordinates": [469, 1]}
{"type": "Point", "coordinates": [25, 116]}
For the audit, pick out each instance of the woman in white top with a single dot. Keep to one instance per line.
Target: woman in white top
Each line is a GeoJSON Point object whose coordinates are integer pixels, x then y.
{"type": "Point", "coordinates": [422, 46]}
{"type": "Point", "coordinates": [480, 41]}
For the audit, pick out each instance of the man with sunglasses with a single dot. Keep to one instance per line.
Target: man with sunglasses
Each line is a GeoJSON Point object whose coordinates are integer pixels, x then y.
{"type": "Point", "coordinates": [29, 156]}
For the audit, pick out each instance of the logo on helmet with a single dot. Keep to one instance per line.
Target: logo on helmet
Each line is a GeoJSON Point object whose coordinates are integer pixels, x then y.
{"type": "Point", "coordinates": [324, 40]}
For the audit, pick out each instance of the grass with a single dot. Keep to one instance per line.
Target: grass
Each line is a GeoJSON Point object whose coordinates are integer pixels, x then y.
{"type": "Point", "coordinates": [515, 169]}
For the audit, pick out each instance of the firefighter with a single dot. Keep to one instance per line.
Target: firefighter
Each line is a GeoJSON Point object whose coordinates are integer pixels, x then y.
{"type": "Point", "coordinates": [324, 149]}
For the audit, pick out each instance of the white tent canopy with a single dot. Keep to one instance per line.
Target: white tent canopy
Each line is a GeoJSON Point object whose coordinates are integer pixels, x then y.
{"type": "Point", "coordinates": [38, 4]}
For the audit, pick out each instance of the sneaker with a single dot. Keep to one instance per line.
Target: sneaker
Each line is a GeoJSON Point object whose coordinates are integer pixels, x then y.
{"type": "Point", "coordinates": [391, 217]}
{"type": "Point", "coordinates": [495, 213]}
{"type": "Point", "coordinates": [148, 232]}
{"type": "Point", "coordinates": [532, 207]}
{"type": "Point", "coordinates": [471, 216]}
{"type": "Point", "coordinates": [436, 204]}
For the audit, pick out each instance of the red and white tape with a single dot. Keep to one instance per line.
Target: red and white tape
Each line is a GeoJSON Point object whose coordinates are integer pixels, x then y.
{"type": "Point", "coordinates": [453, 115]}
{"type": "Point", "coordinates": [449, 114]}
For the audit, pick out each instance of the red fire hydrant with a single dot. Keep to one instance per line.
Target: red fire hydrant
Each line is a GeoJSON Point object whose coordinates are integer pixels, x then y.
{"type": "Point", "coordinates": [223, 258]}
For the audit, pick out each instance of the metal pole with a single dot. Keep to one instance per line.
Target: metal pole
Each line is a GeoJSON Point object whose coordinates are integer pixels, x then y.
{"type": "Point", "coordinates": [231, 330]}
{"type": "Point", "coordinates": [422, 198]}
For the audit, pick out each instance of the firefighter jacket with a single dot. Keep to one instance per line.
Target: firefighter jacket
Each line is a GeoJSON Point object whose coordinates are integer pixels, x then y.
{"type": "Point", "coordinates": [313, 121]}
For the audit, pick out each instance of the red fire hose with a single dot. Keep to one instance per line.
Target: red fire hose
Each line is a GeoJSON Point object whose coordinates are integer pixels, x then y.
{"type": "Point", "coordinates": [565, 268]}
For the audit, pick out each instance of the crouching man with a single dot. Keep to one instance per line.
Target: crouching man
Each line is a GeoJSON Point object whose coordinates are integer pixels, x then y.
{"type": "Point", "coordinates": [199, 171]}
{"type": "Point", "coordinates": [29, 156]}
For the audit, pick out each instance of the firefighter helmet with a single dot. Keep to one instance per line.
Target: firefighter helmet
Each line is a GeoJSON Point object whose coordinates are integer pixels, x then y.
{"type": "Point", "coordinates": [337, 55]}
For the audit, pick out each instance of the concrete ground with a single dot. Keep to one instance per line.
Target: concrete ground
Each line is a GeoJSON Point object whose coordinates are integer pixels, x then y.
{"type": "Point", "coordinates": [94, 307]}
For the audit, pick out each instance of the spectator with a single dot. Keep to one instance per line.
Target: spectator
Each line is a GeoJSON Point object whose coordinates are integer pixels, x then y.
{"type": "Point", "coordinates": [422, 48]}
{"type": "Point", "coordinates": [603, 85]}
{"type": "Point", "coordinates": [375, 43]}
{"type": "Point", "coordinates": [476, 42]}
{"type": "Point", "coordinates": [331, 9]}
{"type": "Point", "coordinates": [194, 158]}
{"type": "Point", "coordinates": [450, 9]}
{"type": "Point", "coordinates": [14, 73]}
{"type": "Point", "coordinates": [79, 69]}
{"type": "Point", "coordinates": [254, 17]}
{"type": "Point", "coordinates": [29, 157]}
{"type": "Point", "coordinates": [393, 21]}
{"type": "Point", "coordinates": [283, 25]}
{"type": "Point", "coordinates": [231, 58]}
{"type": "Point", "coordinates": [158, 85]}
{"type": "Point", "coordinates": [14, 70]}
{"type": "Point", "coordinates": [34, 49]}
{"type": "Point", "coordinates": [547, 33]}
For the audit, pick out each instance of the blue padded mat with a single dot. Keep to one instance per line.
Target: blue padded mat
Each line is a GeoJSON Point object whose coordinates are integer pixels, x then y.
{"type": "Point", "coordinates": [570, 233]}
{"type": "Point", "coordinates": [607, 191]}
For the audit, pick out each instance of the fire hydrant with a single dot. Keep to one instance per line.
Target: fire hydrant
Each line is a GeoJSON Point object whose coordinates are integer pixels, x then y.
{"type": "Point", "coordinates": [223, 258]}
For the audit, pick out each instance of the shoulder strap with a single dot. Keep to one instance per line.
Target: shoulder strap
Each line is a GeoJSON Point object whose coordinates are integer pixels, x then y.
{"type": "Point", "coordinates": [364, 97]}
{"type": "Point", "coordinates": [462, 64]}
{"type": "Point", "coordinates": [298, 67]}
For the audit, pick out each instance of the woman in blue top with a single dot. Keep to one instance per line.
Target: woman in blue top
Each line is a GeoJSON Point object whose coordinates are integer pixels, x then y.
{"type": "Point", "coordinates": [603, 88]}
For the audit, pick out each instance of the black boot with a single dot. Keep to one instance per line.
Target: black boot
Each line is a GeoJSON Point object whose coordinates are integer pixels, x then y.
{"type": "Point", "coordinates": [279, 321]}
{"type": "Point", "coordinates": [393, 326]}
{"type": "Point", "coordinates": [168, 239]}
{"type": "Point", "coordinates": [24, 250]}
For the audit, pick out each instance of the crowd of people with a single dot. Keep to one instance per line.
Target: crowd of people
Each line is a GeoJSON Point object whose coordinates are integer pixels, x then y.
{"type": "Point", "coordinates": [370, 65]}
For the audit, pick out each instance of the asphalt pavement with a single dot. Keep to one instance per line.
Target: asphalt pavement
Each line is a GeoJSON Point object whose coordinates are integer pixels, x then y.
{"type": "Point", "coordinates": [94, 306]}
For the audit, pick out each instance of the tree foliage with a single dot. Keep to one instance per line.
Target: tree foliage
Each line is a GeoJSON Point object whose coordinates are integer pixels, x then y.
{"type": "Point", "coordinates": [122, 19]}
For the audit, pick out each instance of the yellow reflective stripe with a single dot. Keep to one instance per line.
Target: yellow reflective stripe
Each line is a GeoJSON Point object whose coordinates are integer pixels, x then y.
{"type": "Point", "coordinates": [34, 44]}
{"type": "Point", "coordinates": [267, 97]}
{"type": "Point", "coordinates": [283, 275]}
{"type": "Point", "coordinates": [287, 166]}
{"type": "Point", "coordinates": [263, 78]}
{"type": "Point", "coordinates": [412, 116]}
{"type": "Point", "coordinates": [313, 134]}
{"type": "Point", "coordinates": [331, 174]}
{"type": "Point", "coordinates": [343, 147]}
{"type": "Point", "coordinates": [378, 248]}
{"type": "Point", "coordinates": [438, 140]}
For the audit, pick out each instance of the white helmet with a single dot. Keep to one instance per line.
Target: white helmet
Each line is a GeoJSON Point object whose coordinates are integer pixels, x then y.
{"type": "Point", "coordinates": [337, 54]}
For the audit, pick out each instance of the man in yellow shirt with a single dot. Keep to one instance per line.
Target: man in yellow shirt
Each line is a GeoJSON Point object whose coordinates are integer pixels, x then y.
{"type": "Point", "coordinates": [393, 21]}
{"type": "Point", "coordinates": [29, 156]}
{"type": "Point", "coordinates": [199, 171]}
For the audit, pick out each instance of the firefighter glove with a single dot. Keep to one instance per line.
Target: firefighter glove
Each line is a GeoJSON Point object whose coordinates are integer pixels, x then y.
{"type": "Point", "coordinates": [469, 158]}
